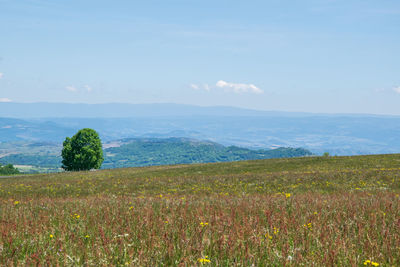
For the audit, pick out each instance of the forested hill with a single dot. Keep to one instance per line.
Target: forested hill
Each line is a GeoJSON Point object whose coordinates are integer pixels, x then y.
{"type": "Point", "coordinates": [152, 151]}
{"type": "Point", "coordinates": [142, 152]}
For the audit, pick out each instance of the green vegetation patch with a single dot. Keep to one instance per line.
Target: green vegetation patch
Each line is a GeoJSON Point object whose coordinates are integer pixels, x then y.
{"type": "Point", "coordinates": [8, 169]}
{"type": "Point", "coordinates": [150, 152]}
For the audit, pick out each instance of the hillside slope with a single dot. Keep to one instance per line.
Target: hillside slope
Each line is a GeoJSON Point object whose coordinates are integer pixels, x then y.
{"type": "Point", "coordinates": [152, 151]}
{"type": "Point", "coordinates": [142, 152]}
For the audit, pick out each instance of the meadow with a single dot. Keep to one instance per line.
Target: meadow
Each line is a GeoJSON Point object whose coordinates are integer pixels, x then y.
{"type": "Point", "coordinates": [312, 211]}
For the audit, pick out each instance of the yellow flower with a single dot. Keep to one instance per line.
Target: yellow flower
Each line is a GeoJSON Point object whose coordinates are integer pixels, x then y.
{"type": "Point", "coordinates": [51, 236]}
{"type": "Point", "coordinates": [268, 236]}
{"type": "Point", "coordinates": [16, 202]}
{"type": "Point", "coordinates": [203, 224]}
{"type": "Point", "coordinates": [131, 207]}
{"type": "Point", "coordinates": [87, 236]}
{"type": "Point", "coordinates": [276, 231]}
{"type": "Point", "coordinates": [204, 260]}
{"type": "Point", "coordinates": [287, 195]}
{"type": "Point", "coordinates": [369, 262]}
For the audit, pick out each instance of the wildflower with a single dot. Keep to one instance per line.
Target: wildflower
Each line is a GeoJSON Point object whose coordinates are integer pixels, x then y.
{"type": "Point", "coordinates": [276, 231]}
{"type": "Point", "coordinates": [369, 262]}
{"type": "Point", "coordinates": [203, 224]}
{"type": "Point", "coordinates": [51, 236]}
{"type": "Point", "coordinates": [308, 225]}
{"type": "Point", "coordinates": [166, 222]}
{"type": "Point", "coordinates": [268, 236]}
{"type": "Point", "coordinates": [16, 202]}
{"type": "Point", "coordinates": [87, 236]}
{"type": "Point", "coordinates": [131, 207]}
{"type": "Point", "coordinates": [204, 260]}
{"type": "Point", "coordinates": [287, 195]}
{"type": "Point", "coordinates": [315, 213]}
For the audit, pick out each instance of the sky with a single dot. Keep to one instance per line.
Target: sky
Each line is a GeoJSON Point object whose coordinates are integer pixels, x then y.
{"type": "Point", "coordinates": [323, 56]}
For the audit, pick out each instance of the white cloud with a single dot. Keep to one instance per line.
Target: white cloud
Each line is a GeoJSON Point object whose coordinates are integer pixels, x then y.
{"type": "Point", "coordinates": [229, 87]}
{"type": "Point", "coordinates": [1, 75]}
{"type": "Point", "coordinates": [239, 87]}
{"type": "Point", "coordinates": [88, 88]}
{"type": "Point", "coordinates": [200, 87]}
{"type": "Point", "coordinates": [4, 99]}
{"type": "Point", "coordinates": [397, 89]}
{"type": "Point", "coordinates": [194, 86]}
{"type": "Point", "coordinates": [71, 88]}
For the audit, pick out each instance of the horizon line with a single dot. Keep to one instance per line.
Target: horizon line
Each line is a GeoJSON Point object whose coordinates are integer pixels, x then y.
{"type": "Point", "coordinates": [212, 106]}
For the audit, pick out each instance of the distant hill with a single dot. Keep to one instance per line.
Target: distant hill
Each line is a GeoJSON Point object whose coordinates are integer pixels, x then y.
{"type": "Point", "coordinates": [148, 152]}
{"type": "Point", "coordinates": [26, 130]}
{"type": "Point", "coordinates": [145, 152]}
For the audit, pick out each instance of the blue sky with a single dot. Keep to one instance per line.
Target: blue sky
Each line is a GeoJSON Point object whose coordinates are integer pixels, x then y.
{"type": "Point", "coordinates": [311, 55]}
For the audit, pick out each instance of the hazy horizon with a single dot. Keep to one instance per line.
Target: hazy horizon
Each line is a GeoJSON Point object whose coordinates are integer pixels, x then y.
{"type": "Point", "coordinates": [208, 106]}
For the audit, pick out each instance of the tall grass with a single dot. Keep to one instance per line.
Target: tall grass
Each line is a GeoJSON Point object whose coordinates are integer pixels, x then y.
{"type": "Point", "coordinates": [299, 212]}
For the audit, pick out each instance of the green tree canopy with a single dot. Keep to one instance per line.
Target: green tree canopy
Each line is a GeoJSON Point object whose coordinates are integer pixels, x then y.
{"type": "Point", "coordinates": [8, 169]}
{"type": "Point", "coordinates": [83, 151]}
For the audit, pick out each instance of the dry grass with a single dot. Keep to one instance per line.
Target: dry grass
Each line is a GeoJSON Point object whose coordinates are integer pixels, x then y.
{"type": "Point", "coordinates": [299, 212]}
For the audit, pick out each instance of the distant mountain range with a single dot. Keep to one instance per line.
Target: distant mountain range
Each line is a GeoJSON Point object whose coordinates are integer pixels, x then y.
{"type": "Point", "coordinates": [118, 110]}
{"type": "Point", "coordinates": [338, 134]}
{"type": "Point", "coordinates": [123, 110]}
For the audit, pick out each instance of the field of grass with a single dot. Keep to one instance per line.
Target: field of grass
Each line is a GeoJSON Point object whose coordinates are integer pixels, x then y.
{"type": "Point", "coordinates": [342, 211]}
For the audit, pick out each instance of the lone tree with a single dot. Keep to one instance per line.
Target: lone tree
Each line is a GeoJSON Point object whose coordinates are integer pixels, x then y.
{"type": "Point", "coordinates": [83, 151]}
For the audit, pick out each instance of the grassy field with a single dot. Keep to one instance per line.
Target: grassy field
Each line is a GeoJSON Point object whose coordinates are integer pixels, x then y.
{"type": "Point", "coordinates": [342, 211]}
